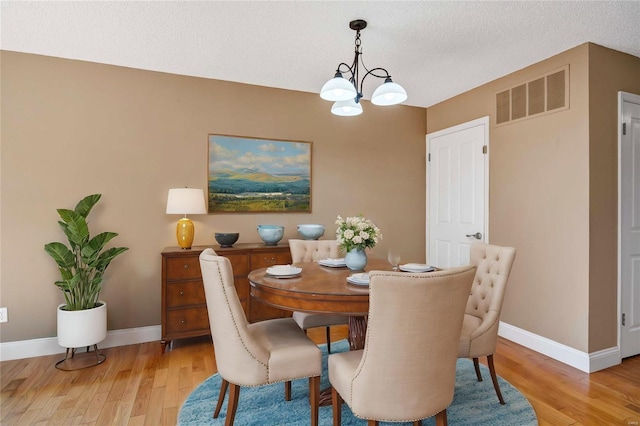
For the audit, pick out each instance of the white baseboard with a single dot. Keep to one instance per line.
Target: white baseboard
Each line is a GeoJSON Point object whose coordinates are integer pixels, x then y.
{"type": "Point", "coordinates": [49, 345]}
{"type": "Point", "coordinates": [587, 362]}
{"type": "Point", "coordinates": [583, 361]}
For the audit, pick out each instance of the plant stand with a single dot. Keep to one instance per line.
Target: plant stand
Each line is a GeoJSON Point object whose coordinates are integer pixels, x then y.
{"type": "Point", "coordinates": [84, 360]}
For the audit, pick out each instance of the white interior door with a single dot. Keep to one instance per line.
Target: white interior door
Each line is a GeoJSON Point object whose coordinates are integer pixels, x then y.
{"type": "Point", "coordinates": [457, 192]}
{"type": "Point", "coordinates": [629, 224]}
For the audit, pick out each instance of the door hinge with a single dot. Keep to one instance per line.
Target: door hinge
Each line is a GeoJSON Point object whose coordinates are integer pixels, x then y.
{"type": "Point", "coordinates": [429, 157]}
{"type": "Point", "coordinates": [484, 149]}
{"type": "Point", "coordinates": [624, 129]}
{"type": "Point", "coordinates": [623, 320]}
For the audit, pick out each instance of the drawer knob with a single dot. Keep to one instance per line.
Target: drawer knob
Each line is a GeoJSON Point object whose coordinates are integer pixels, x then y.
{"type": "Point", "coordinates": [182, 293]}
{"type": "Point", "coordinates": [186, 266]}
{"type": "Point", "coordinates": [182, 322]}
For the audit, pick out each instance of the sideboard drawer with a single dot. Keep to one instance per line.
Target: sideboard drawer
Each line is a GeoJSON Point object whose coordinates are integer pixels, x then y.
{"type": "Point", "coordinates": [181, 293]}
{"type": "Point", "coordinates": [263, 260]}
{"type": "Point", "coordinates": [181, 268]}
{"type": "Point", "coordinates": [185, 320]}
{"type": "Point", "coordinates": [239, 263]}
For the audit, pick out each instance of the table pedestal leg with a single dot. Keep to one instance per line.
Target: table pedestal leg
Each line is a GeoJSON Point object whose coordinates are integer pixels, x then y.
{"type": "Point", "coordinates": [357, 335]}
{"type": "Point", "coordinates": [357, 332]}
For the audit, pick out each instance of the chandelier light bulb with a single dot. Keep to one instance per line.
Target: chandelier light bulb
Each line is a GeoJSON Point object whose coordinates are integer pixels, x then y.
{"type": "Point", "coordinates": [347, 108]}
{"type": "Point", "coordinates": [389, 93]}
{"type": "Point", "coordinates": [338, 89]}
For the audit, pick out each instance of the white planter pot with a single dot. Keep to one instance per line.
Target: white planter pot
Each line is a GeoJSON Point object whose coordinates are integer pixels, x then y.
{"type": "Point", "coordinates": [77, 329]}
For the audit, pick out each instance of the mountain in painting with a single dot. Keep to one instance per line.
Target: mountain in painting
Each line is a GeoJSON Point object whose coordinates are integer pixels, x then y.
{"type": "Point", "coordinates": [253, 181]}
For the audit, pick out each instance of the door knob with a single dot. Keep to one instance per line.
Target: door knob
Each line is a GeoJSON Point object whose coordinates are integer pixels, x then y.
{"type": "Point", "coordinates": [477, 235]}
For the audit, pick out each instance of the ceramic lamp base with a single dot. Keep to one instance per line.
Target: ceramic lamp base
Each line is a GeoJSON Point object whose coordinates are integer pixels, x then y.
{"type": "Point", "coordinates": [185, 233]}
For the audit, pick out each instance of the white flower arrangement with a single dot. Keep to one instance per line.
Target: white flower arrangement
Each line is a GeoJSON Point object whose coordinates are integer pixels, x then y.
{"type": "Point", "coordinates": [356, 233]}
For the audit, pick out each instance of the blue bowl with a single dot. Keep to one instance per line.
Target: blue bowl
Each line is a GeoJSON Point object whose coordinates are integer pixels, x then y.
{"type": "Point", "coordinates": [310, 231]}
{"type": "Point", "coordinates": [271, 234]}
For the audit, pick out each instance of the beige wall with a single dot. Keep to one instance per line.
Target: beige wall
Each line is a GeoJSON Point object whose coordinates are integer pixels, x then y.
{"type": "Point", "coordinates": [609, 72]}
{"type": "Point", "coordinates": [72, 128]}
{"type": "Point", "coordinates": [553, 196]}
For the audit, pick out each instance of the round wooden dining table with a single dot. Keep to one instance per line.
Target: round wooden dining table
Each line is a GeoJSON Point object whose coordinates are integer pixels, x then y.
{"type": "Point", "coordinates": [320, 289]}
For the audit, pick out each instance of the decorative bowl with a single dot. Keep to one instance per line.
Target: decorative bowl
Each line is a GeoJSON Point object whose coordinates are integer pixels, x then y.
{"type": "Point", "coordinates": [227, 239]}
{"type": "Point", "coordinates": [271, 234]}
{"type": "Point", "coordinates": [310, 231]}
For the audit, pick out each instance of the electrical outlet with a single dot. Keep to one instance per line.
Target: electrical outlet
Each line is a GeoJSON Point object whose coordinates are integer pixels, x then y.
{"type": "Point", "coordinates": [4, 315]}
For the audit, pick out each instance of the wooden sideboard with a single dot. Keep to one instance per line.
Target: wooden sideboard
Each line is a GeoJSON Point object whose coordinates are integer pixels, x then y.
{"type": "Point", "coordinates": [184, 308]}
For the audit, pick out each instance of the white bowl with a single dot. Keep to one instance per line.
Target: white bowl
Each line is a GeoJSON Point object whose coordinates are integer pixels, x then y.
{"type": "Point", "coordinates": [310, 231]}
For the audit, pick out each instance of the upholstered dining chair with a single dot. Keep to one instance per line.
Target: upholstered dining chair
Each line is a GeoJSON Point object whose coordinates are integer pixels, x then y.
{"type": "Point", "coordinates": [254, 354]}
{"type": "Point", "coordinates": [482, 315]}
{"type": "Point", "coordinates": [407, 369]}
{"type": "Point", "coordinates": [311, 251]}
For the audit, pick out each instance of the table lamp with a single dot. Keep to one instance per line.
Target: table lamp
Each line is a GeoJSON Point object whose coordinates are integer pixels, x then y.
{"type": "Point", "coordinates": [185, 201]}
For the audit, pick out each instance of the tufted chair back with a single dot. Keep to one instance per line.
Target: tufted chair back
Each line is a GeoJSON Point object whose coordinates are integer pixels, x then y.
{"type": "Point", "coordinates": [238, 356]}
{"type": "Point", "coordinates": [312, 250]}
{"type": "Point", "coordinates": [493, 265]}
{"type": "Point", "coordinates": [305, 251]}
{"type": "Point", "coordinates": [482, 316]}
{"type": "Point", "coordinates": [407, 369]}
{"type": "Point", "coordinates": [255, 354]}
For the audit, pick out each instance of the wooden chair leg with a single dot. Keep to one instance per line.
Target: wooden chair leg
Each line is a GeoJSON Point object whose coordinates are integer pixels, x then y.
{"type": "Point", "coordinates": [494, 378]}
{"type": "Point", "coordinates": [223, 393]}
{"type": "Point", "coordinates": [476, 365]}
{"type": "Point", "coordinates": [287, 390]}
{"type": "Point", "coordinates": [314, 398]}
{"type": "Point", "coordinates": [328, 340]}
{"type": "Point", "coordinates": [234, 395]}
{"type": "Point", "coordinates": [336, 403]}
{"type": "Point", "coordinates": [372, 423]}
{"type": "Point", "coordinates": [441, 418]}
{"type": "Point", "coordinates": [417, 423]}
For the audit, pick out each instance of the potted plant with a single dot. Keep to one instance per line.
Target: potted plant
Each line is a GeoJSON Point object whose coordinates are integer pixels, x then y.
{"type": "Point", "coordinates": [82, 320]}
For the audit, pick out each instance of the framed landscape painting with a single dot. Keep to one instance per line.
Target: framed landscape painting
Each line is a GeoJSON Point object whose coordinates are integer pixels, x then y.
{"type": "Point", "coordinates": [258, 175]}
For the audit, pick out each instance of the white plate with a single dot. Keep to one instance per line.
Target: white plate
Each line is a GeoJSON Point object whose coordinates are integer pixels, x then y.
{"type": "Point", "coordinates": [359, 279]}
{"type": "Point", "coordinates": [333, 263]}
{"type": "Point", "coordinates": [416, 267]}
{"type": "Point", "coordinates": [284, 271]}
{"type": "Point", "coordinates": [283, 276]}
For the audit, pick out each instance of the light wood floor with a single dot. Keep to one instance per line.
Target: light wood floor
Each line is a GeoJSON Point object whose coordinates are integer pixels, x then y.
{"type": "Point", "coordinates": [139, 385]}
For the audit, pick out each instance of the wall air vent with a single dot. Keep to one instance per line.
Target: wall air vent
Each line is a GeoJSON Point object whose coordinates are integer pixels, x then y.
{"type": "Point", "coordinates": [541, 95]}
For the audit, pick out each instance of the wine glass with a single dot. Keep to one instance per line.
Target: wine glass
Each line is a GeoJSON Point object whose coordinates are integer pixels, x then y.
{"type": "Point", "coordinates": [394, 259]}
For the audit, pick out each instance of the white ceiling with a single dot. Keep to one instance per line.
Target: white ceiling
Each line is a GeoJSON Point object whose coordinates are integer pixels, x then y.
{"type": "Point", "coordinates": [435, 49]}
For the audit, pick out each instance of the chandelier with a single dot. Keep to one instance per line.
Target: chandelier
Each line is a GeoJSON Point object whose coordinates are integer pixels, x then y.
{"type": "Point", "coordinates": [347, 92]}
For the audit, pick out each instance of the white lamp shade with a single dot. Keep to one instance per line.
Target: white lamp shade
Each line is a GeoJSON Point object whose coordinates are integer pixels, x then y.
{"type": "Point", "coordinates": [338, 89]}
{"type": "Point", "coordinates": [389, 93]}
{"type": "Point", "coordinates": [347, 108]}
{"type": "Point", "coordinates": [186, 201]}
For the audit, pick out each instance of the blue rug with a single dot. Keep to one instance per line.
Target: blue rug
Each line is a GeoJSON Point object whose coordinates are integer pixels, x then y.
{"type": "Point", "coordinates": [475, 403]}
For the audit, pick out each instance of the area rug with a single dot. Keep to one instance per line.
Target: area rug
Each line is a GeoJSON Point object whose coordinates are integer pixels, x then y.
{"type": "Point", "coordinates": [475, 403]}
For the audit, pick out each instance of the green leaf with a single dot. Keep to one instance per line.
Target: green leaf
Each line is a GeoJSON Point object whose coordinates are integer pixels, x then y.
{"type": "Point", "coordinates": [66, 215]}
{"type": "Point", "coordinates": [77, 230]}
{"type": "Point", "coordinates": [95, 245]}
{"type": "Point", "coordinates": [66, 273]}
{"type": "Point", "coordinates": [64, 285]}
{"type": "Point", "coordinates": [107, 256]}
{"type": "Point", "coordinates": [84, 206]}
{"type": "Point", "coordinates": [60, 254]}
